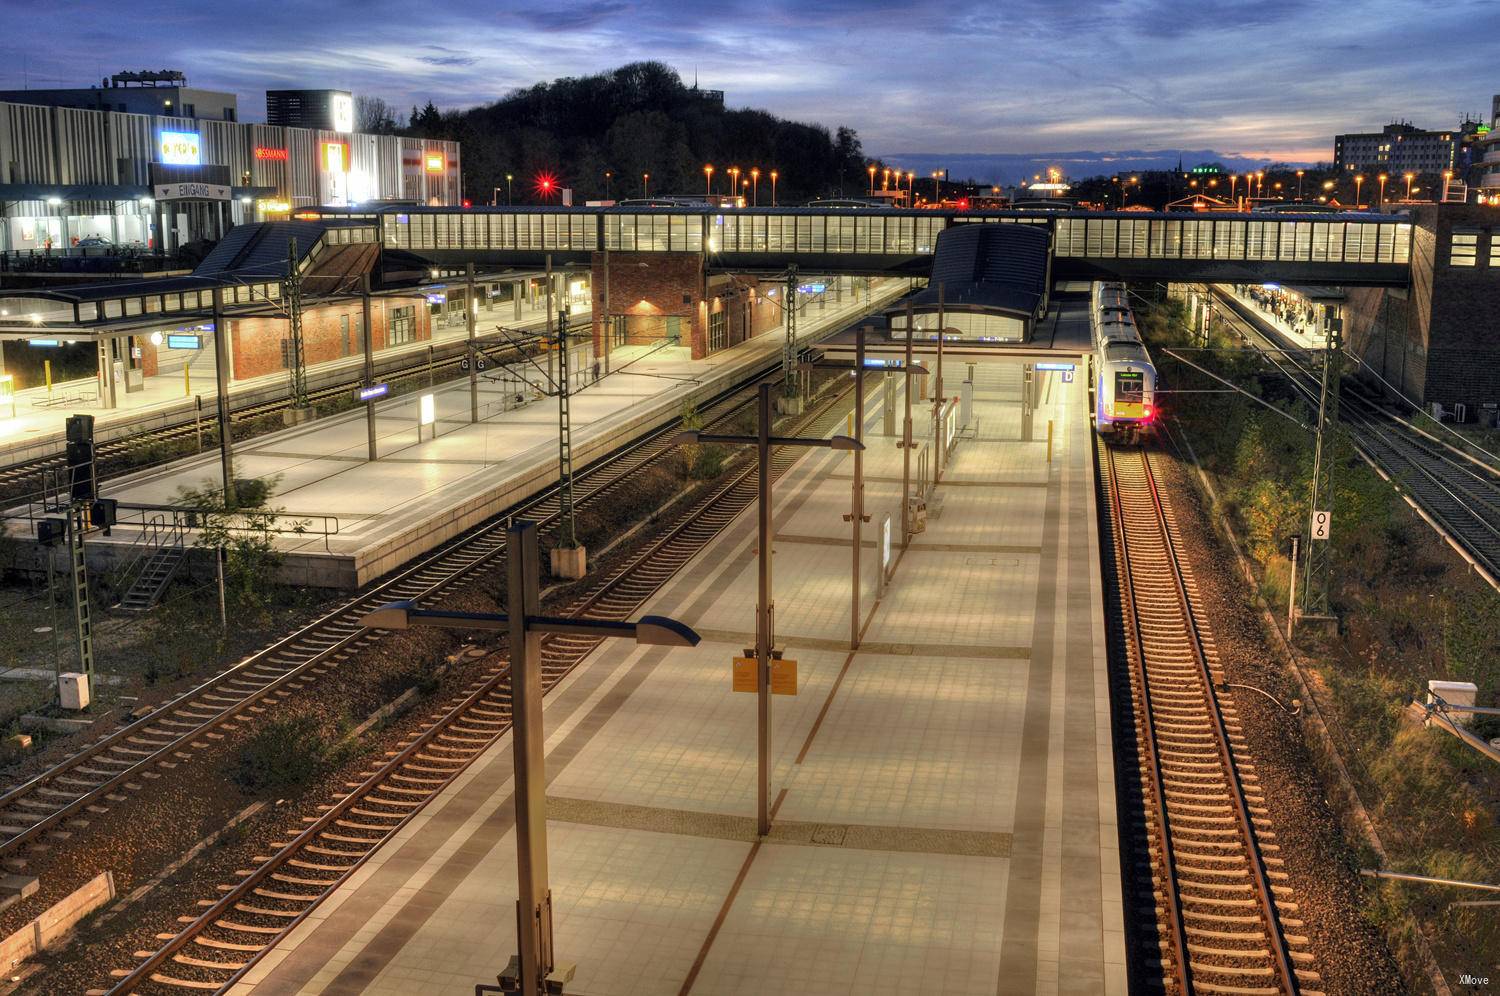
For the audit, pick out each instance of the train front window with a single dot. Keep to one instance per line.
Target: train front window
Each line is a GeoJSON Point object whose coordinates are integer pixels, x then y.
{"type": "Point", "coordinates": [1129, 387]}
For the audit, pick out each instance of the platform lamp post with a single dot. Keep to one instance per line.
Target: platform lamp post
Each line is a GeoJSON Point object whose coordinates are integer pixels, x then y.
{"type": "Point", "coordinates": [764, 607]}
{"type": "Point", "coordinates": [1299, 185]}
{"type": "Point", "coordinates": [708, 179]}
{"type": "Point", "coordinates": [755, 186]}
{"type": "Point", "coordinates": [645, 184]}
{"type": "Point", "coordinates": [871, 171]}
{"type": "Point", "coordinates": [535, 969]}
{"type": "Point", "coordinates": [508, 178]}
{"type": "Point", "coordinates": [1409, 178]}
{"type": "Point", "coordinates": [1380, 204]}
{"type": "Point", "coordinates": [774, 175]}
{"type": "Point", "coordinates": [1359, 181]}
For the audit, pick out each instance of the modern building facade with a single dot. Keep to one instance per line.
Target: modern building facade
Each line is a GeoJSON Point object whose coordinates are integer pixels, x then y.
{"type": "Point", "coordinates": [1400, 148]}
{"type": "Point", "coordinates": [164, 92]}
{"type": "Point", "coordinates": [71, 178]}
{"type": "Point", "coordinates": [1486, 170]}
{"type": "Point", "coordinates": [1437, 340]}
{"type": "Point", "coordinates": [329, 110]}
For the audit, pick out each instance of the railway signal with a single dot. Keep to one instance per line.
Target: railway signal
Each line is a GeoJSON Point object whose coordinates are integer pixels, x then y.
{"type": "Point", "coordinates": [535, 971]}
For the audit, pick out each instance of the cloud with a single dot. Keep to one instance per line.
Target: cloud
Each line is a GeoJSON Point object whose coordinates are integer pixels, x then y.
{"type": "Point", "coordinates": [955, 75]}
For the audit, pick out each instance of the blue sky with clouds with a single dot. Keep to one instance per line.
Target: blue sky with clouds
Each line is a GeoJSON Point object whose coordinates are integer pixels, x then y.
{"type": "Point", "coordinates": [1263, 78]}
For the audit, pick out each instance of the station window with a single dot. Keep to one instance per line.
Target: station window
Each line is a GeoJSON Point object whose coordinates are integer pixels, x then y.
{"type": "Point", "coordinates": [403, 326]}
{"type": "Point", "coordinates": [1464, 249]}
{"type": "Point", "coordinates": [1494, 248]}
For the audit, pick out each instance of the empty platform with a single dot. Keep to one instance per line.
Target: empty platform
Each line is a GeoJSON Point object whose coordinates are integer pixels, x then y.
{"type": "Point", "coordinates": [944, 814]}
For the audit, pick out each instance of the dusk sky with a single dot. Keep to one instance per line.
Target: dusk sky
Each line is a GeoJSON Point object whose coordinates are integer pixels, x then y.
{"type": "Point", "coordinates": [1265, 78]}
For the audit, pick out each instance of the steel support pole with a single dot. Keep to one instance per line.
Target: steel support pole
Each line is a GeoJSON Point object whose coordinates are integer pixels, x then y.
{"type": "Point", "coordinates": [937, 397]}
{"type": "Point", "coordinates": [221, 380]}
{"type": "Point", "coordinates": [765, 616]}
{"type": "Point", "coordinates": [523, 564]}
{"type": "Point", "coordinates": [369, 348]}
{"type": "Point", "coordinates": [548, 328]}
{"type": "Point", "coordinates": [857, 503]}
{"type": "Point", "coordinates": [470, 303]}
{"type": "Point", "coordinates": [906, 440]}
{"type": "Point", "coordinates": [605, 332]}
{"type": "Point", "coordinates": [1318, 559]}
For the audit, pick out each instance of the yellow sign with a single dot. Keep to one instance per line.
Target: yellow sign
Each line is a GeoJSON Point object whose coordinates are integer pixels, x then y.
{"type": "Point", "coordinates": [783, 676]}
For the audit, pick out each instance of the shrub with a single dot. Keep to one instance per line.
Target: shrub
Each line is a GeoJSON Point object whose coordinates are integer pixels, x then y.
{"type": "Point", "coordinates": [287, 755]}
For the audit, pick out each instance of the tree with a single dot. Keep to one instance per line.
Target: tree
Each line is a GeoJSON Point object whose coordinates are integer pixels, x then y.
{"type": "Point", "coordinates": [373, 116]}
{"type": "Point", "coordinates": [428, 123]}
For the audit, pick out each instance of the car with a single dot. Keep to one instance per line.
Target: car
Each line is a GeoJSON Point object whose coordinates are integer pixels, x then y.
{"type": "Point", "coordinates": [93, 242]}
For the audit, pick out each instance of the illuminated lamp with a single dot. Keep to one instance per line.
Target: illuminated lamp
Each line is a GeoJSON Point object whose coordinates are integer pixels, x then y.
{"type": "Point", "coordinates": [545, 185]}
{"type": "Point", "coordinates": [468, 203]}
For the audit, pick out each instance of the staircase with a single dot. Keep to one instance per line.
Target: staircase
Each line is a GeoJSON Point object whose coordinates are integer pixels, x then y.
{"type": "Point", "coordinates": [153, 580]}
{"type": "Point", "coordinates": [159, 554]}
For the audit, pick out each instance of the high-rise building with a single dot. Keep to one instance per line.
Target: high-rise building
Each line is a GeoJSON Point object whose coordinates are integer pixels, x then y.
{"type": "Point", "coordinates": [1401, 148]}
{"type": "Point", "coordinates": [325, 110]}
{"type": "Point", "coordinates": [1486, 169]}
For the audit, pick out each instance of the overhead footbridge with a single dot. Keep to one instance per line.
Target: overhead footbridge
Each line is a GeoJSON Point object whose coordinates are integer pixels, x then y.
{"type": "Point", "coordinates": [1353, 249]}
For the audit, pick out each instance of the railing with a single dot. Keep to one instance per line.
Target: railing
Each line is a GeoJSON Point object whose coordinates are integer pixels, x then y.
{"type": "Point", "coordinates": [155, 533]}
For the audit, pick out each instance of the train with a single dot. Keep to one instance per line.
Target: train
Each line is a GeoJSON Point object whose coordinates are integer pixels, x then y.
{"type": "Point", "coordinates": [1124, 379]}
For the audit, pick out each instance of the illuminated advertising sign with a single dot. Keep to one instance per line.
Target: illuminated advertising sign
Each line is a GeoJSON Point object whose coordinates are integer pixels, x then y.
{"type": "Point", "coordinates": [180, 148]}
{"type": "Point", "coordinates": [342, 107]}
{"type": "Point", "coordinates": [434, 162]}
{"type": "Point", "coordinates": [373, 391]}
{"type": "Point", "coordinates": [335, 157]}
{"type": "Point", "coordinates": [279, 155]}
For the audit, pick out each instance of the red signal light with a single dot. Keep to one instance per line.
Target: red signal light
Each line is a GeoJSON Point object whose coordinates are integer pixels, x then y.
{"type": "Point", "coordinates": [468, 203]}
{"type": "Point", "coordinates": [963, 204]}
{"type": "Point", "coordinates": [545, 185]}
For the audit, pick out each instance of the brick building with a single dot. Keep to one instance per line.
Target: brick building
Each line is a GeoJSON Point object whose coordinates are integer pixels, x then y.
{"type": "Point", "coordinates": [259, 346]}
{"type": "Point", "coordinates": [669, 297]}
{"type": "Point", "coordinates": [1439, 339]}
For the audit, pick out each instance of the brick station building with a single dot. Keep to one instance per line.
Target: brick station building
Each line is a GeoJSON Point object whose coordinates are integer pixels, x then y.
{"type": "Point", "coordinates": [670, 297]}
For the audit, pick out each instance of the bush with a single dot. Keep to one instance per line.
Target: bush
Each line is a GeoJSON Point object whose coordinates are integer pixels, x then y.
{"type": "Point", "coordinates": [285, 756]}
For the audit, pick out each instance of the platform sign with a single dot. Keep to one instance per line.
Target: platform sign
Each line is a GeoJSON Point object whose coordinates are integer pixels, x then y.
{"type": "Point", "coordinates": [783, 675]}
{"type": "Point", "coordinates": [1321, 521]}
{"type": "Point", "coordinates": [373, 391]}
{"type": "Point", "coordinates": [175, 341]}
{"type": "Point", "coordinates": [427, 408]}
{"type": "Point", "coordinates": [1056, 366]}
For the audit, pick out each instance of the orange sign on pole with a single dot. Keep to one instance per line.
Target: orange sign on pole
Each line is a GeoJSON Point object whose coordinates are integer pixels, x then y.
{"type": "Point", "coordinates": [783, 676]}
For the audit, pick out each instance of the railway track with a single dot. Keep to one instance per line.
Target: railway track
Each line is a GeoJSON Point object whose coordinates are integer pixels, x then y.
{"type": "Point", "coordinates": [107, 770]}
{"type": "Point", "coordinates": [1225, 912]}
{"type": "Point", "coordinates": [218, 945]}
{"type": "Point", "coordinates": [28, 479]}
{"type": "Point", "coordinates": [1457, 492]}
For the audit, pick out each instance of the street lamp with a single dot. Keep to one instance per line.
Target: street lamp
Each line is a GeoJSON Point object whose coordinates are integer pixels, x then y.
{"type": "Point", "coordinates": [645, 184]}
{"type": "Point", "coordinates": [607, 177]}
{"type": "Point", "coordinates": [1299, 184]}
{"type": "Point", "coordinates": [764, 608]}
{"type": "Point", "coordinates": [872, 179]}
{"type": "Point", "coordinates": [734, 181]}
{"type": "Point", "coordinates": [774, 175]}
{"type": "Point", "coordinates": [1260, 179]}
{"type": "Point", "coordinates": [885, 178]}
{"type": "Point", "coordinates": [508, 177]}
{"type": "Point", "coordinates": [1381, 202]}
{"type": "Point", "coordinates": [1447, 178]}
{"type": "Point", "coordinates": [1233, 179]}
{"type": "Point", "coordinates": [525, 625]}
{"type": "Point", "coordinates": [708, 179]}
{"type": "Point", "coordinates": [937, 186]}
{"type": "Point", "coordinates": [1359, 179]}
{"type": "Point", "coordinates": [755, 186]}
{"type": "Point", "coordinates": [1409, 178]}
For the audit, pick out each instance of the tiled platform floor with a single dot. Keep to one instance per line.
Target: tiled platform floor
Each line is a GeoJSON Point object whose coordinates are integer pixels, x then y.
{"type": "Point", "coordinates": [322, 469]}
{"type": "Point", "coordinates": [945, 815]}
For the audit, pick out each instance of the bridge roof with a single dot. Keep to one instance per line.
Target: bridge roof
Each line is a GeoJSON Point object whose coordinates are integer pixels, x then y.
{"type": "Point", "coordinates": [989, 268]}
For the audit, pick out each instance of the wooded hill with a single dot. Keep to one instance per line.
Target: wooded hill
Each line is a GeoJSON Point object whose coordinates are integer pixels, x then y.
{"type": "Point", "coordinates": [637, 119]}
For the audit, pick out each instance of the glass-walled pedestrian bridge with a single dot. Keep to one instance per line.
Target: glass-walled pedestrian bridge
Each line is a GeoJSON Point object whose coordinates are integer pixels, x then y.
{"type": "Point", "coordinates": [1348, 249]}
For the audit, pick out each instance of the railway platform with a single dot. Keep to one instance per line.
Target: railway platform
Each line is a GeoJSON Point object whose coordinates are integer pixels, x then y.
{"type": "Point", "coordinates": [431, 482]}
{"type": "Point", "coordinates": [35, 426]}
{"type": "Point", "coordinates": [944, 807]}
